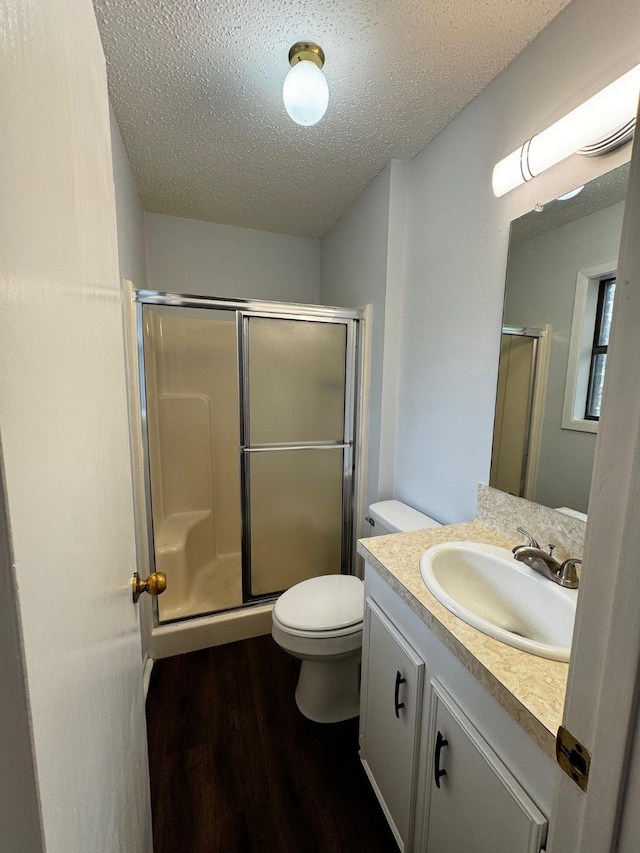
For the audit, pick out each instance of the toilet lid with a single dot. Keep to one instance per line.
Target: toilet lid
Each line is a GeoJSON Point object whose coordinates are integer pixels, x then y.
{"type": "Point", "coordinates": [322, 604]}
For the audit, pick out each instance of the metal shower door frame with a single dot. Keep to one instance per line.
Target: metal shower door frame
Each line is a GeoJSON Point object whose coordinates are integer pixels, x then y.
{"type": "Point", "coordinates": [534, 335]}
{"type": "Point", "coordinates": [346, 446]}
{"type": "Point", "coordinates": [245, 309]}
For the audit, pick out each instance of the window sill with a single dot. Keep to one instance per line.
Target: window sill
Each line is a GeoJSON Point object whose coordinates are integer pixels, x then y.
{"type": "Point", "coordinates": [580, 425]}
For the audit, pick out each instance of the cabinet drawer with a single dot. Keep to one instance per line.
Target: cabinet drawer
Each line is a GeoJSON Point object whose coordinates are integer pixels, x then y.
{"type": "Point", "coordinates": [475, 804]}
{"type": "Point", "coordinates": [391, 705]}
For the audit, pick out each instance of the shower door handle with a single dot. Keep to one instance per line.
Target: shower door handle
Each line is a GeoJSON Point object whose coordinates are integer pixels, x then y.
{"type": "Point", "coordinates": [398, 705]}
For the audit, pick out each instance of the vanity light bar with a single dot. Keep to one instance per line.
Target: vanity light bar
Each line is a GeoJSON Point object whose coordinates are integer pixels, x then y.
{"type": "Point", "coordinates": [600, 116]}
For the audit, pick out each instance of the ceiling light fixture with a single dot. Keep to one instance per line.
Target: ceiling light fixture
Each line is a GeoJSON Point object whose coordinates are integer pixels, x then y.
{"type": "Point", "coordinates": [608, 117]}
{"type": "Point", "coordinates": [570, 194]}
{"type": "Point", "coordinates": [305, 92]}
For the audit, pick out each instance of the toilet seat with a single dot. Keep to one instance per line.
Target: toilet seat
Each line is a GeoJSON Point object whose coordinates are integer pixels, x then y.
{"type": "Point", "coordinates": [328, 634]}
{"type": "Point", "coordinates": [325, 646]}
{"type": "Point", "coordinates": [325, 606]}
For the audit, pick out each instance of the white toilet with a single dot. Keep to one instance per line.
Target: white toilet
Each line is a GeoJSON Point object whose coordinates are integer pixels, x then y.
{"type": "Point", "coordinates": [320, 622]}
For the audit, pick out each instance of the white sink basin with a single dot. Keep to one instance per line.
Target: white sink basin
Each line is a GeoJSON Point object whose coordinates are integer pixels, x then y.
{"type": "Point", "coordinates": [486, 587]}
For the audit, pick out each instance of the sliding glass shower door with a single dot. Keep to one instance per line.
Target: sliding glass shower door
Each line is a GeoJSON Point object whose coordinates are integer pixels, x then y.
{"type": "Point", "coordinates": [248, 414]}
{"type": "Point", "coordinates": [296, 448]}
{"type": "Point", "coordinates": [191, 405]}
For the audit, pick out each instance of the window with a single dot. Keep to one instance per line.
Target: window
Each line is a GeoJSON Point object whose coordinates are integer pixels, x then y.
{"type": "Point", "coordinates": [587, 358]}
{"type": "Point", "coordinates": [604, 313]}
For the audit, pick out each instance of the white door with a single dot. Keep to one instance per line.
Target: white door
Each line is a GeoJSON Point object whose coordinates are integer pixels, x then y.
{"type": "Point", "coordinates": [63, 421]}
{"type": "Point", "coordinates": [475, 804]}
{"type": "Point", "coordinates": [391, 704]}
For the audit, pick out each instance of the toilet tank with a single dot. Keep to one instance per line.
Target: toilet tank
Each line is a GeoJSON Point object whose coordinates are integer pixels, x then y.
{"type": "Point", "coordinates": [395, 517]}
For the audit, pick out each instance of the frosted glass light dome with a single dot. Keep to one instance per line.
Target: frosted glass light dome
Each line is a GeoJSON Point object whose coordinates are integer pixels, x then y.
{"type": "Point", "coordinates": [305, 93]}
{"type": "Point", "coordinates": [570, 194]}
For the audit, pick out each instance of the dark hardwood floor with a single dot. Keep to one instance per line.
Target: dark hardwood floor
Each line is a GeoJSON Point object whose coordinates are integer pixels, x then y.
{"type": "Point", "coordinates": [235, 767]}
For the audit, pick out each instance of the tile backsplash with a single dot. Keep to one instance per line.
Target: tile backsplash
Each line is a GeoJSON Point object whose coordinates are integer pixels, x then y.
{"type": "Point", "coordinates": [505, 513]}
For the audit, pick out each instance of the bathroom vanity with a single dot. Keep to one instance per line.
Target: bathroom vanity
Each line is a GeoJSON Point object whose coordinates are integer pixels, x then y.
{"type": "Point", "coordinates": [457, 730]}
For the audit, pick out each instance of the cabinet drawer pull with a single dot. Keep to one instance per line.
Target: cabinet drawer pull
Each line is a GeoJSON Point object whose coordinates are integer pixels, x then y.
{"type": "Point", "coordinates": [437, 773]}
{"type": "Point", "coordinates": [399, 680]}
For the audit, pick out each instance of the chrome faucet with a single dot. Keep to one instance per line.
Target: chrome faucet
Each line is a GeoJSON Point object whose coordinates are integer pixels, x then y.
{"type": "Point", "coordinates": [545, 564]}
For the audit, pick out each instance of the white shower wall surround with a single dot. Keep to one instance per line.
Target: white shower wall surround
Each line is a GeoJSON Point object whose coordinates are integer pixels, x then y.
{"type": "Point", "coordinates": [248, 413]}
{"type": "Point", "coordinates": [178, 638]}
{"type": "Point", "coordinates": [193, 449]}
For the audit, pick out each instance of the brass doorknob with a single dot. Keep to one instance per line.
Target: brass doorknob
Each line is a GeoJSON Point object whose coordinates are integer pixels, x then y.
{"type": "Point", "coordinates": [154, 585]}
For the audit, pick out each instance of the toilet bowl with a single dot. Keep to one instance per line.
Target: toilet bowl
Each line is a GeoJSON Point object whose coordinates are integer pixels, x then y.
{"type": "Point", "coordinates": [320, 621]}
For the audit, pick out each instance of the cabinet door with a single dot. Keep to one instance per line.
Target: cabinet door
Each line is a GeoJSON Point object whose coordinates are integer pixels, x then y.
{"type": "Point", "coordinates": [476, 805]}
{"type": "Point", "coordinates": [391, 704]}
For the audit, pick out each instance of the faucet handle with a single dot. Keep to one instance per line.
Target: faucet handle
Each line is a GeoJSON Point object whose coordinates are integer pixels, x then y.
{"type": "Point", "coordinates": [568, 574]}
{"type": "Point", "coordinates": [532, 543]}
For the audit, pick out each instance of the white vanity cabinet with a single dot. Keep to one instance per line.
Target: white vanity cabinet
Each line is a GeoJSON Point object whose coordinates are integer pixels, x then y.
{"type": "Point", "coordinates": [391, 707]}
{"type": "Point", "coordinates": [475, 805]}
{"type": "Point", "coordinates": [497, 782]}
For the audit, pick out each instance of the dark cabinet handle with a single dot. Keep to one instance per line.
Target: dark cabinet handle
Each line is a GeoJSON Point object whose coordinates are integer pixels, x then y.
{"type": "Point", "coordinates": [437, 773]}
{"type": "Point", "coordinates": [399, 680]}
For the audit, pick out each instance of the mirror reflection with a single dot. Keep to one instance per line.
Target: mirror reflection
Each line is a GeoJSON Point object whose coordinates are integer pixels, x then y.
{"type": "Point", "coordinates": [559, 296]}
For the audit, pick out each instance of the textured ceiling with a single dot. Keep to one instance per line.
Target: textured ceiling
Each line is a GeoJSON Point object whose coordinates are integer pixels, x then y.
{"type": "Point", "coordinates": [196, 86]}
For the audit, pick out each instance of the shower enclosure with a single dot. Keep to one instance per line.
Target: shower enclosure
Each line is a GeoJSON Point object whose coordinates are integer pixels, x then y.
{"type": "Point", "coordinates": [512, 433]}
{"type": "Point", "coordinates": [248, 413]}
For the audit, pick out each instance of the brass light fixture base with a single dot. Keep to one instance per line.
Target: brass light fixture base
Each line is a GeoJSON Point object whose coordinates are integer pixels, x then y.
{"type": "Point", "coordinates": [306, 51]}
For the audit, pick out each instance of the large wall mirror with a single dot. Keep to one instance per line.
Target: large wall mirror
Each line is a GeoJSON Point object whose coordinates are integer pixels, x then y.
{"type": "Point", "coordinates": [560, 289]}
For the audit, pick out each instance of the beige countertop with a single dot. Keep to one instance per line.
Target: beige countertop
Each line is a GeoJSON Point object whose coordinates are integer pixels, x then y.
{"type": "Point", "coordinates": [530, 688]}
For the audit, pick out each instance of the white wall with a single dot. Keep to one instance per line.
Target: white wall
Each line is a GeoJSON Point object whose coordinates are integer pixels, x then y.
{"type": "Point", "coordinates": [361, 263]}
{"type": "Point", "coordinates": [63, 419]}
{"type": "Point", "coordinates": [132, 260]}
{"type": "Point", "coordinates": [204, 258]}
{"type": "Point", "coordinates": [541, 289]}
{"type": "Point", "coordinates": [132, 251]}
{"type": "Point", "coordinates": [457, 235]}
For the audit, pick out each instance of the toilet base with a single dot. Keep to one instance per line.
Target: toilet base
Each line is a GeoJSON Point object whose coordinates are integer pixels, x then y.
{"type": "Point", "coordinates": [328, 690]}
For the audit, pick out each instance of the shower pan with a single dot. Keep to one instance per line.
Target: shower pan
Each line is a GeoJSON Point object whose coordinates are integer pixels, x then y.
{"type": "Point", "coordinates": [248, 412]}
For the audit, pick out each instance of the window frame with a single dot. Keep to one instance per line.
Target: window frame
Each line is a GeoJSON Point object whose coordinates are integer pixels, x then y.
{"type": "Point", "coordinates": [581, 346]}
